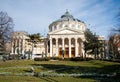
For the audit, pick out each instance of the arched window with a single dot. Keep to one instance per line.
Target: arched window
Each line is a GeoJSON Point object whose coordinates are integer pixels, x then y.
{"type": "Point", "coordinates": [60, 26]}
{"type": "Point", "coordinates": [82, 28]}
{"type": "Point", "coordinates": [73, 26]}
{"type": "Point", "coordinates": [78, 26]}
{"type": "Point", "coordinates": [66, 25]}
{"type": "Point", "coordinates": [50, 29]}
{"type": "Point", "coordinates": [55, 28]}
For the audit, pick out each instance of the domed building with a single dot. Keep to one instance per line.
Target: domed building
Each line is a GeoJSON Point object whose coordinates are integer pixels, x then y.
{"type": "Point", "coordinates": [66, 37]}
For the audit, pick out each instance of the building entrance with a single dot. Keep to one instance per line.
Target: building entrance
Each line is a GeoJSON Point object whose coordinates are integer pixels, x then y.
{"type": "Point", "coordinates": [66, 54]}
{"type": "Point", "coordinates": [73, 52]}
{"type": "Point", "coordinates": [60, 53]}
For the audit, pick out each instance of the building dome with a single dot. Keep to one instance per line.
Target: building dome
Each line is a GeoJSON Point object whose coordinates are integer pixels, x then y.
{"type": "Point", "coordinates": [67, 20]}
{"type": "Point", "coordinates": [67, 16]}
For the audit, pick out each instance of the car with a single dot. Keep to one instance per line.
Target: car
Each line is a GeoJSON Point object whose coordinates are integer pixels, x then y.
{"type": "Point", "coordinates": [36, 56]}
{"type": "Point", "coordinates": [10, 57]}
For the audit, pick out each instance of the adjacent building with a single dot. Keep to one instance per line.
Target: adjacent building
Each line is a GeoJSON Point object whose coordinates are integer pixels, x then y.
{"type": "Point", "coordinates": [20, 43]}
{"type": "Point", "coordinates": [39, 47]}
{"type": "Point", "coordinates": [115, 45]}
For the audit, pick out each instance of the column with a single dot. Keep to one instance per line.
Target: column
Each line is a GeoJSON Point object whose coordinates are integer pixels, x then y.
{"type": "Point", "coordinates": [46, 43]}
{"type": "Point", "coordinates": [12, 47]}
{"type": "Point", "coordinates": [50, 47]}
{"type": "Point", "coordinates": [82, 49]}
{"type": "Point", "coordinates": [63, 55]}
{"type": "Point", "coordinates": [19, 46]}
{"type": "Point", "coordinates": [32, 48]}
{"type": "Point", "coordinates": [63, 44]}
{"type": "Point", "coordinates": [56, 47]}
{"type": "Point", "coordinates": [23, 50]}
{"type": "Point", "coordinates": [76, 47]}
{"type": "Point", "coordinates": [69, 47]}
{"type": "Point", "coordinates": [15, 46]}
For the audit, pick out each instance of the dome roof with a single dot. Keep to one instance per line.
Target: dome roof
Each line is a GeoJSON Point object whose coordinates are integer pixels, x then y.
{"type": "Point", "coordinates": [67, 17]}
{"type": "Point", "coordinates": [67, 21]}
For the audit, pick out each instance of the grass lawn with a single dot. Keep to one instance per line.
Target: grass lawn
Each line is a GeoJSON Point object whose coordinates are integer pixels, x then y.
{"type": "Point", "coordinates": [64, 67]}
{"type": "Point", "coordinates": [42, 79]}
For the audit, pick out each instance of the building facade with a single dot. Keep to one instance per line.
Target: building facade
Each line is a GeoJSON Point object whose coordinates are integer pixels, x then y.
{"type": "Point", "coordinates": [114, 45]}
{"type": "Point", "coordinates": [39, 47]}
{"type": "Point", "coordinates": [66, 37]}
{"type": "Point", "coordinates": [20, 43]}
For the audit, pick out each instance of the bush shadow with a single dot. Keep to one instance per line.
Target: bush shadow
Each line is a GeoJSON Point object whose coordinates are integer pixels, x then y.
{"type": "Point", "coordinates": [66, 69]}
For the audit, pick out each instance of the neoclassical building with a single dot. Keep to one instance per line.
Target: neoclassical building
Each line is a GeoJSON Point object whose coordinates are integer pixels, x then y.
{"type": "Point", "coordinates": [21, 42]}
{"type": "Point", "coordinates": [66, 37]}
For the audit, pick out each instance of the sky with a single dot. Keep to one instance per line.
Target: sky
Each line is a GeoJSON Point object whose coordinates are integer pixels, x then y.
{"type": "Point", "coordinates": [35, 16]}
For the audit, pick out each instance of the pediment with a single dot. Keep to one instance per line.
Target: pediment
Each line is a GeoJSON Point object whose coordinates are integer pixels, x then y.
{"type": "Point", "coordinates": [66, 31]}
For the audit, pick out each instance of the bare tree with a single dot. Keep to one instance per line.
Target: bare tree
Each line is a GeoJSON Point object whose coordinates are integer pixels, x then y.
{"type": "Point", "coordinates": [116, 28]}
{"type": "Point", "coordinates": [114, 38]}
{"type": "Point", "coordinates": [6, 30]}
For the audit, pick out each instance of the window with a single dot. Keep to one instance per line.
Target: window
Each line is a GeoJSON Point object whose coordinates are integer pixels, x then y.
{"type": "Point", "coordinates": [73, 25]}
{"type": "Point", "coordinates": [66, 25]}
{"type": "Point", "coordinates": [60, 25]}
{"type": "Point", "coordinates": [50, 29]}
{"type": "Point", "coordinates": [55, 28]}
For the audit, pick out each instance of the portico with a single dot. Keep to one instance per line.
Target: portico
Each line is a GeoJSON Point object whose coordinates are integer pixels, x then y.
{"type": "Point", "coordinates": [72, 46]}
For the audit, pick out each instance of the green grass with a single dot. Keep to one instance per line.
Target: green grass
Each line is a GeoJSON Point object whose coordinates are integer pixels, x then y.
{"type": "Point", "coordinates": [20, 79]}
{"type": "Point", "coordinates": [69, 67]}
{"type": "Point", "coordinates": [15, 70]}
{"type": "Point", "coordinates": [42, 79]}
{"type": "Point", "coordinates": [12, 63]}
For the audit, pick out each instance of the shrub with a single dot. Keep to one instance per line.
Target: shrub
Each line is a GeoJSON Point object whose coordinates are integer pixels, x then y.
{"type": "Point", "coordinates": [77, 59]}
{"type": "Point", "coordinates": [54, 58]}
{"type": "Point", "coordinates": [41, 59]}
{"type": "Point", "coordinates": [65, 59]}
{"type": "Point", "coordinates": [88, 59]}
